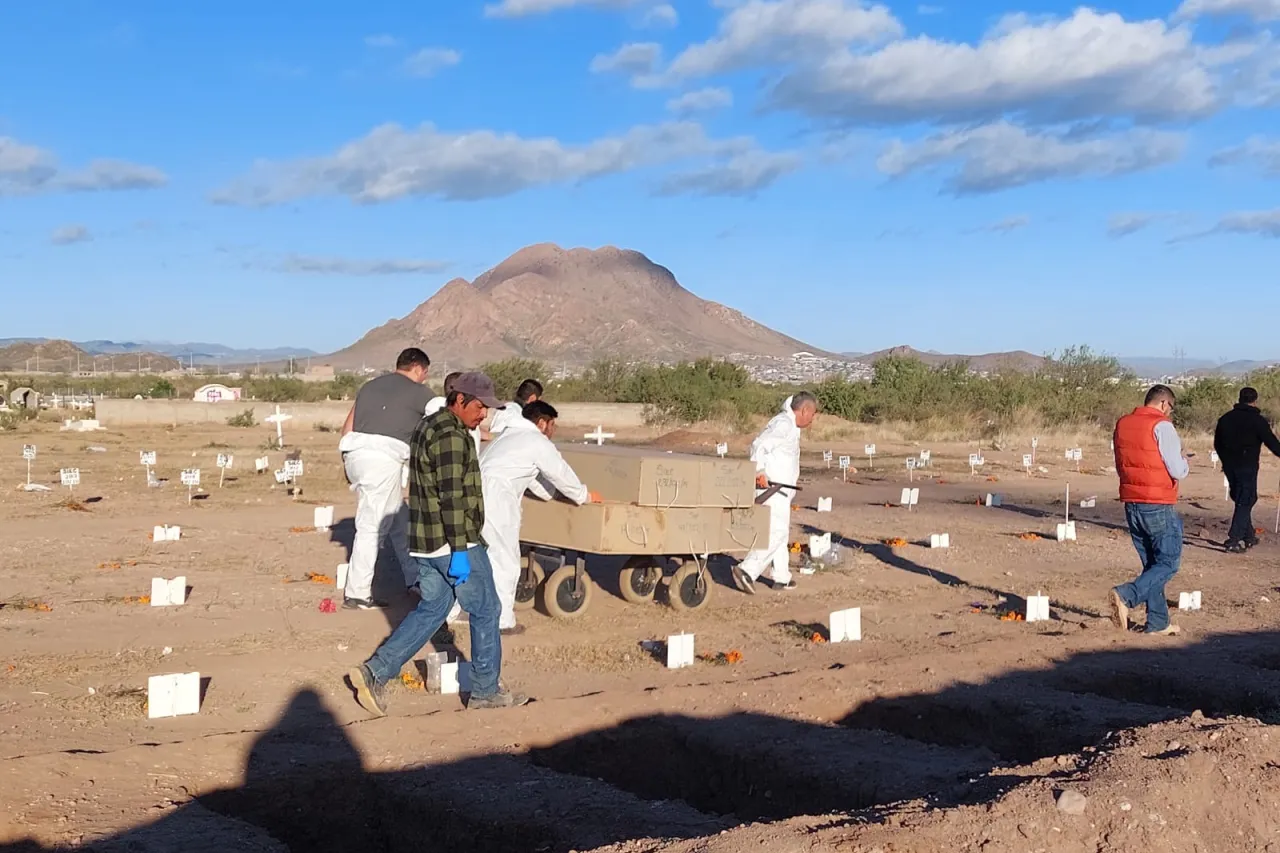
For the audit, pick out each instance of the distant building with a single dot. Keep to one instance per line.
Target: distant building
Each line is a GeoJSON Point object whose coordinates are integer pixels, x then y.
{"type": "Point", "coordinates": [216, 393]}
{"type": "Point", "coordinates": [318, 373]}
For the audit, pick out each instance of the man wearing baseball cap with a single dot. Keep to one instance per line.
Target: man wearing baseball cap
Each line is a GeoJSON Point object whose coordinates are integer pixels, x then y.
{"type": "Point", "coordinates": [446, 516]}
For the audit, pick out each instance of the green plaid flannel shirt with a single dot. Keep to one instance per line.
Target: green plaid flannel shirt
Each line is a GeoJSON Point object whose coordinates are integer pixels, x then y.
{"type": "Point", "coordinates": [446, 506]}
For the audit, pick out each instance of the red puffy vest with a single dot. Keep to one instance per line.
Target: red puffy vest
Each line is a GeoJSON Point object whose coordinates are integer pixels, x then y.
{"type": "Point", "coordinates": [1143, 477]}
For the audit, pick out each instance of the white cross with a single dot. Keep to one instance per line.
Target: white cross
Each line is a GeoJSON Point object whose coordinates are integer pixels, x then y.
{"type": "Point", "coordinates": [278, 419]}
{"type": "Point", "coordinates": [599, 435]}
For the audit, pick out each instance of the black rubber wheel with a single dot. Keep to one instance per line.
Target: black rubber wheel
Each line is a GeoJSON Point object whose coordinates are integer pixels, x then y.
{"type": "Point", "coordinates": [562, 597]}
{"type": "Point", "coordinates": [689, 589]}
{"type": "Point", "coordinates": [531, 577]}
{"type": "Point", "coordinates": [639, 579]}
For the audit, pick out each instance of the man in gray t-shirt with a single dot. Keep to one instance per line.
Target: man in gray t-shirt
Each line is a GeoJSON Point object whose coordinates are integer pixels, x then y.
{"type": "Point", "coordinates": [375, 447]}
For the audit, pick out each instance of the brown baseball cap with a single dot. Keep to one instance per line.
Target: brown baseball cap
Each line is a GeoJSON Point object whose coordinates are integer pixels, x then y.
{"type": "Point", "coordinates": [479, 386]}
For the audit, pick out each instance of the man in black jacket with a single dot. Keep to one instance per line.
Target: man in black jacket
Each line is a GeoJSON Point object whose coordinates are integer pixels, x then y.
{"type": "Point", "coordinates": [1238, 440]}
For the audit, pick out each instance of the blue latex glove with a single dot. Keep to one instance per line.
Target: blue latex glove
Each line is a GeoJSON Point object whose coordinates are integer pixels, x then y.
{"type": "Point", "coordinates": [459, 567]}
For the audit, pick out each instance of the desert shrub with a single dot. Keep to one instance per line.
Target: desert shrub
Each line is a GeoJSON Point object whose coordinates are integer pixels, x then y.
{"type": "Point", "coordinates": [161, 388]}
{"type": "Point", "coordinates": [507, 375]}
{"type": "Point", "coordinates": [244, 419]}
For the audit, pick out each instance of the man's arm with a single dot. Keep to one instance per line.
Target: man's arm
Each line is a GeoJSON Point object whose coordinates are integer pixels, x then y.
{"type": "Point", "coordinates": [350, 423]}
{"type": "Point", "coordinates": [1268, 437]}
{"type": "Point", "coordinates": [1171, 451]}
{"type": "Point", "coordinates": [551, 465]}
{"type": "Point", "coordinates": [447, 454]}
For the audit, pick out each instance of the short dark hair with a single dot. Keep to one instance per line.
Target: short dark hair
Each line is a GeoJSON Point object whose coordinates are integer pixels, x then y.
{"type": "Point", "coordinates": [1158, 393]}
{"type": "Point", "coordinates": [539, 410]}
{"type": "Point", "coordinates": [528, 388]}
{"type": "Point", "coordinates": [802, 398]}
{"type": "Point", "coordinates": [1248, 396]}
{"type": "Point", "coordinates": [412, 357]}
{"type": "Point", "coordinates": [448, 382]}
{"type": "Point", "coordinates": [451, 397]}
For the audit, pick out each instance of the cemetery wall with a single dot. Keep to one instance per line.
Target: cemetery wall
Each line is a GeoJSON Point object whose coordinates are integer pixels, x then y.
{"type": "Point", "coordinates": [118, 413]}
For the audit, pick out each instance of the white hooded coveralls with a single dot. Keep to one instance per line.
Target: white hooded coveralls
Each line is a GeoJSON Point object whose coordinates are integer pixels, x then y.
{"type": "Point", "coordinates": [510, 465]}
{"type": "Point", "coordinates": [505, 417]}
{"type": "Point", "coordinates": [776, 452]}
{"type": "Point", "coordinates": [375, 466]}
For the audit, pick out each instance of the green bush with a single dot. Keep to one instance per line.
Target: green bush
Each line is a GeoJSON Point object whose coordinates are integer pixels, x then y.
{"type": "Point", "coordinates": [507, 375]}
{"type": "Point", "coordinates": [244, 419]}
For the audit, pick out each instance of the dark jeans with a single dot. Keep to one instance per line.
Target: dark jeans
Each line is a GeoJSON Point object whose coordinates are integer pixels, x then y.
{"type": "Point", "coordinates": [1243, 483]}
{"type": "Point", "coordinates": [1157, 534]}
{"type": "Point", "coordinates": [477, 596]}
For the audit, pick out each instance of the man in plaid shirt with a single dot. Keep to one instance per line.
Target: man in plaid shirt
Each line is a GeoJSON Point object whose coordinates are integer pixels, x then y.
{"type": "Point", "coordinates": [446, 515]}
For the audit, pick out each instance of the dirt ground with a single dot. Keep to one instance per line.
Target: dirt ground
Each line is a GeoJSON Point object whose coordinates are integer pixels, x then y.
{"type": "Point", "coordinates": [947, 727]}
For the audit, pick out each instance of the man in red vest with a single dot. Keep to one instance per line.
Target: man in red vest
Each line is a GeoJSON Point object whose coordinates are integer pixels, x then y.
{"type": "Point", "coordinates": [1150, 462]}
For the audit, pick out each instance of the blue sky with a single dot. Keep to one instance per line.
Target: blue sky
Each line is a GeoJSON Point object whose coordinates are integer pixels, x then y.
{"type": "Point", "coordinates": [963, 177]}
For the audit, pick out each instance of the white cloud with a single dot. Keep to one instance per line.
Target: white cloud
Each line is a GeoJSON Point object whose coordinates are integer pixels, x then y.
{"type": "Point", "coordinates": [769, 32]}
{"type": "Point", "coordinates": [307, 264]}
{"type": "Point", "coordinates": [391, 163]}
{"type": "Point", "coordinates": [929, 10]}
{"type": "Point", "coordinates": [27, 169]}
{"type": "Point", "coordinates": [381, 40]}
{"type": "Point", "coordinates": [662, 15]}
{"type": "Point", "coordinates": [700, 101]}
{"type": "Point", "coordinates": [429, 60]}
{"type": "Point", "coordinates": [1265, 223]}
{"type": "Point", "coordinates": [1005, 226]}
{"type": "Point", "coordinates": [1090, 64]}
{"type": "Point", "coordinates": [1257, 150]}
{"type": "Point", "coordinates": [1124, 224]}
{"type": "Point", "coordinates": [636, 59]}
{"type": "Point", "coordinates": [1262, 10]}
{"type": "Point", "coordinates": [1002, 155]}
{"type": "Point", "coordinates": [741, 174]}
{"type": "Point", "coordinates": [520, 8]}
{"type": "Point", "coordinates": [68, 234]}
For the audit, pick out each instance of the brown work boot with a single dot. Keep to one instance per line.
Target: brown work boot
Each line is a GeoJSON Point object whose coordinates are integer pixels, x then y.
{"type": "Point", "coordinates": [1119, 611]}
{"type": "Point", "coordinates": [1167, 631]}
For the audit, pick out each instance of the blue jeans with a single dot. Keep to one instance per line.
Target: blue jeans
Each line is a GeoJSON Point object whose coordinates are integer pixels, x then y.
{"type": "Point", "coordinates": [477, 596]}
{"type": "Point", "coordinates": [1157, 534]}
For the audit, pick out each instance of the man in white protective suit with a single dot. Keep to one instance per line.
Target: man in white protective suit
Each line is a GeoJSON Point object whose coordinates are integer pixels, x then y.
{"type": "Point", "coordinates": [375, 447]}
{"type": "Point", "coordinates": [521, 458]}
{"type": "Point", "coordinates": [776, 452]}
{"type": "Point", "coordinates": [530, 391]}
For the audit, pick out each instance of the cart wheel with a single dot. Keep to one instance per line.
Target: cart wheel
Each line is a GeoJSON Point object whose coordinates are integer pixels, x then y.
{"type": "Point", "coordinates": [689, 589]}
{"type": "Point", "coordinates": [638, 580]}
{"type": "Point", "coordinates": [564, 598]}
{"type": "Point", "coordinates": [531, 577]}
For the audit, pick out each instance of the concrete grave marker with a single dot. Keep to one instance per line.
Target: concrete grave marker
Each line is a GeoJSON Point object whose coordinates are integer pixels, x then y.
{"type": "Point", "coordinates": [323, 518]}
{"type": "Point", "coordinates": [824, 504]}
{"type": "Point", "coordinates": [165, 533]}
{"type": "Point", "coordinates": [278, 419]}
{"type": "Point", "coordinates": [599, 435]}
{"type": "Point", "coordinates": [168, 593]}
{"type": "Point", "coordinates": [173, 695]}
{"type": "Point", "coordinates": [340, 576]}
{"type": "Point", "coordinates": [940, 540]}
{"type": "Point", "coordinates": [1037, 608]}
{"type": "Point", "coordinates": [870, 451]}
{"type": "Point", "coordinates": [679, 651]}
{"type": "Point", "coordinates": [845, 626]}
{"type": "Point", "coordinates": [910, 497]}
{"type": "Point", "coordinates": [261, 464]}
{"type": "Point", "coordinates": [1189, 600]}
{"type": "Point", "coordinates": [995, 500]}
{"type": "Point", "coordinates": [819, 546]}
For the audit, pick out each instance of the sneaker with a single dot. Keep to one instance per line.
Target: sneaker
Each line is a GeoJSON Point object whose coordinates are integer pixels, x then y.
{"type": "Point", "coordinates": [1236, 547]}
{"type": "Point", "coordinates": [501, 699]}
{"type": "Point", "coordinates": [369, 693]}
{"type": "Point", "coordinates": [743, 581]}
{"type": "Point", "coordinates": [362, 604]}
{"type": "Point", "coordinates": [1167, 631]}
{"type": "Point", "coordinates": [1119, 611]}
{"type": "Point", "coordinates": [513, 631]}
{"type": "Point", "coordinates": [1253, 542]}
{"type": "Point", "coordinates": [785, 587]}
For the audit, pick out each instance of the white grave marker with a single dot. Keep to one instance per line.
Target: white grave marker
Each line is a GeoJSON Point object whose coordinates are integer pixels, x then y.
{"type": "Point", "coordinates": [1067, 532]}
{"type": "Point", "coordinates": [1035, 442]}
{"type": "Point", "coordinates": [926, 458]}
{"type": "Point", "coordinates": [844, 467]}
{"type": "Point", "coordinates": [1214, 458]}
{"type": "Point", "coordinates": [1089, 503]}
{"type": "Point", "coordinates": [278, 419]}
{"type": "Point", "coordinates": [995, 500]}
{"type": "Point", "coordinates": [323, 518]}
{"type": "Point", "coordinates": [845, 626]}
{"type": "Point", "coordinates": [225, 461]}
{"type": "Point", "coordinates": [911, 468]}
{"type": "Point", "coordinates": [28, 453]}
{"type": "Point", "coordinates": [1075, 455]}
{"type": "Point", "coordinates": [679, 651]}
{"type": "Point", "coordinates": [70, 477]}
{"type": "Point", "coordinates": [1027, 461]}
{"type": "Point", "coordinates": [870, 451]}
{"type": "Point", "coordinates": [449, 681]}
{"type": "Point", "coordinates": [910, 497]}
{"type": "Point", "coordinates": [190, 479]}
{"type": "Point", "coordinates": [147, 458]}
{"type": "Point", "coordinates": [722, 450]}
{"type": "Point", "coordinates": [1189, 600]}
{"type": "Point", "coordinates": [599, 435]}
{"type": "Point", "coordinates": [173, 695]}
{"type": "Point", "coordinates": [975, 462]}
{"type": "Point", "coordinates": [1037, 608]}
{"type": "Point", "coordinates": [261, 464]}
{"type": "Point", "coordinates": [819, 546]}
{"type": "Point", "coordinates": [340, 576]}
{"type": "Point", "coordinates": [826, 457]}
{"type": "Point", "coordinates": [940, 540]}
{"type": "Point", "coordinates": [168, 593]}
{"type": "Point", "coordinates": [824, 504]}
{"type": "Point", "coordinates": [165, 533]}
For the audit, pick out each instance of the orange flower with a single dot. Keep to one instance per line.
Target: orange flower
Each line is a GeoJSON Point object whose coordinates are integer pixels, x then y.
{"type": "Point", "coordinates": [817, 638]}
{"type": "Point", "coordinates": [411, 681]}
{"type": "Point", "coordinates": [993, 479]}
{"type": "Point", "coordinates": [302, 530]}
{"type": "Point", "coordinates": [316, 577]}
{"type": "Point", "coordinates": [896, 542]}
{"type": "Point", "coordinates": [1030, 537]}
{"type": "Point", "coordinates": [733, 656]}
{"type": "Point", "coordinates": [1013, 616]}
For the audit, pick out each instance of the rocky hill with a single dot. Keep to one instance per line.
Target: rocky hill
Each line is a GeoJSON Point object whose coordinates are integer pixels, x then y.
{"type": "Point", "coordinates": [57, 356]}
{"type": "Point", "coordinates": [1017, 360]}
{"type": "Point", "coordinates": [570, 306]}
